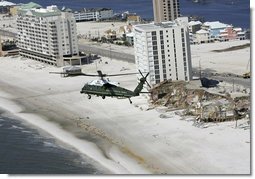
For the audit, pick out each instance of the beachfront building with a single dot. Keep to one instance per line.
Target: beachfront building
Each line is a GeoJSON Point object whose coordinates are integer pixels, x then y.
{"type": "Point", "coordinates": [202, 36]}
{"type": "Point", "coordinates": [231, 33]}
{"type": "Point", "coordinates": [93, 14]}
{"type": "Point", "coordinates": [163, 49]}
{"type": "Point", "coordinates": [5, 6]}
{"type": "Point", "coordinates": [47, 35]}
{"type": "Point", "coordinates": [166, 10]}
{"type": "Point", "coordinates": [133, 19]}
{"type": "Point", "coordinates": [194, 26]}
{"type": "Point", "coordinates": [214, 28]}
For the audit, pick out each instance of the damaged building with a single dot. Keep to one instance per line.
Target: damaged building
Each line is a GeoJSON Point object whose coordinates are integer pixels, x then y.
{"type": "Point", "coordinates": [206, 106]}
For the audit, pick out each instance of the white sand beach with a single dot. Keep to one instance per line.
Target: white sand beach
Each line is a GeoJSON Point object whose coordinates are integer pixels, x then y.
{"type": "Point", "coordinates": [130, 138]}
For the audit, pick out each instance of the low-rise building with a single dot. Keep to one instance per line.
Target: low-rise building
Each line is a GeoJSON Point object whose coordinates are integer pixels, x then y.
{"type": "Point", "coordinates": [5, 6]}
{"type": "Point", "coordinates": [93, 14]}
{"type": "Point", "coordinates": [194, 26]}
{"type": "Point", "coordinates": [130, 38]}
{"type": "Point", "coordinates": [214, 28]}
{"type": "Point", "coordinates": [133, 19]}
{"type": "Point", "coordinates": [228, 33]}
{"type": "Point", "coordinates": [202, 36]}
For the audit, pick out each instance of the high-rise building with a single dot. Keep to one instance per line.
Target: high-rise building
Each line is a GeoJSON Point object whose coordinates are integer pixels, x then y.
{"type": "Point", "coordinates": [47, 35]}
{"type": "Point", "coordinates": [163, 49]}
{"type": "Point", "coordinates": [166, 10]}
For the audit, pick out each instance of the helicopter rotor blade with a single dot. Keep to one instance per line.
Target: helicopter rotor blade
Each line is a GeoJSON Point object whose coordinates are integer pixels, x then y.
{"type": "Point", "coordinates": [148, 83]}
{"type": "Point", "coordinates": [58, 73]}
{"type": "Point", "coordinates": [141, 73]}
{"type": "Point", "coordinates": [147, 75]}
{"type": "Point", "coordinates": [123, 74]}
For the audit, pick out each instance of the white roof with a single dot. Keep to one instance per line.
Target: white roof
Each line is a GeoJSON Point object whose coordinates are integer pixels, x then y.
{"type": "Point", "coordinates": [102, 82]}
{"type": "Point", "coordinates": [238, 29]}
{"type": "Point", "coordinates": [155, 26]}
{"type": "Point", "coordinates": [215, 25]}
{"type": "Point", "coordinates": [202, 31]}
{"type": "Point", "coordinates": [191, 23]}
{"type": "Point", "coordinates": [240, 33]}
{"type": "Point", "coordinates": [6, 3]}
{"type": "Point", "coordinates": [130, 34]}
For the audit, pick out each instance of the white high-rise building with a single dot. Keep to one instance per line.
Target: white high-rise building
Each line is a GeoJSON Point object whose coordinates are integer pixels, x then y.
{"type": "Point", "coordinates": [47, 35]}
{"type": "Point", "coordinates": [166, 10]}
{"type": "Point", "coordinates": [163, 49]}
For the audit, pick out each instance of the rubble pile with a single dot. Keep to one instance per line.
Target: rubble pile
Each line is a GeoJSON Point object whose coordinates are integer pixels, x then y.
{"type": "Point", "coordinates": [206, 106]}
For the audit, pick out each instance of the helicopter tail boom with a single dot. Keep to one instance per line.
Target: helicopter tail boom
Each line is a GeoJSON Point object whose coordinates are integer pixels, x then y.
{"type": "Point", "coordinates": [139, 87]}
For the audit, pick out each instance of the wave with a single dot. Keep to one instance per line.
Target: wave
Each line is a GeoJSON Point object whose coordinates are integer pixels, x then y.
{"type": "Point", "coordinates": [49, 144]}
{"type": "Point", "coordinates": [16, 127]}
{"type": "Point", "coordinates": [25, 131]}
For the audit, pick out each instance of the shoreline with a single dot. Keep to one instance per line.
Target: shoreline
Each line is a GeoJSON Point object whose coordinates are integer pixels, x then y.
{"type": "Point", "coordinates": [171, 145]}
{"type": "Point", "coordinates": [84, 147]}
{"type": "Point", "coordinates": [87, 148]}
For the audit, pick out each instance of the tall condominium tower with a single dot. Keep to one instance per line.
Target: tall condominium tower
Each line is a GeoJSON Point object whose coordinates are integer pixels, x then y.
{"type": "Point", "coordinates": [163, 49]}
{"type": "Point", "coordinates": [166, 10]}
{"type": "Point", "coordinates": [47, 35]}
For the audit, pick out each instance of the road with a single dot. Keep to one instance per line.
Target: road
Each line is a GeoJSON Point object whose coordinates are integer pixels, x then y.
{"type": "Point", "coordinates": [107, 53]}
{"type": "Point", "coordinates": [235, 80]}
{"type": "Point", "coordinates": [230, 78]}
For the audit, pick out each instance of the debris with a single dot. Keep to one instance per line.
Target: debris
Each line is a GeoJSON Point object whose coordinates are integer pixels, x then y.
{"type": "Point", "coordinates": [205, 105]}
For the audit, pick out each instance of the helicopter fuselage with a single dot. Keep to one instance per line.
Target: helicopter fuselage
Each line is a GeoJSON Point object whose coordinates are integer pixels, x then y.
{"type": "Point", "coordinates": [107, 90]}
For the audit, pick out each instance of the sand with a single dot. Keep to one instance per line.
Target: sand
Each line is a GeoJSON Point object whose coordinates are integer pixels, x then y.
{"type": "Point", "coordinates": [120, 137]}
{"type": "Point", "coordinates": [236, 62]}
{"type": "Point", "coordinates": [95, 29]}
{"type": "Point", "coordinates": [128, 139]}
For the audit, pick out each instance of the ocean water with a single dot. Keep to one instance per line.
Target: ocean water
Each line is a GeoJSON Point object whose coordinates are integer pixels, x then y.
{"type": "Point", "coordinates": [23, 150]}
{"type": "Point", "coordinates": [235, 12]}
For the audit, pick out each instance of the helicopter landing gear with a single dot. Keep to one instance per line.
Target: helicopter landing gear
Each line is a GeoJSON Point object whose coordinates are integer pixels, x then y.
{"type": "Point", "coordinates": [130, 100]}
{"type": "Point", "coordinates": [89, 96]}
{"type": "Point", "coordinates": [103, 97]}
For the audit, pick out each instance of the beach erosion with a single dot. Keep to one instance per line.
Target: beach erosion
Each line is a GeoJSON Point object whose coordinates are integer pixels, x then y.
{"type": "Point", "coordinates": [120, 137]}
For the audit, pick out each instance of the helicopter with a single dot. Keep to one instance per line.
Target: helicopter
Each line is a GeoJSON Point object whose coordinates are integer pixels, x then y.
{"type": "Point", "coordinates": [104, 87]}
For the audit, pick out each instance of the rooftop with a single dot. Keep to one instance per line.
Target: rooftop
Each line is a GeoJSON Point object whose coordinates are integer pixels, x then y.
{"type": "Point", "coordinates": [202, 32]}
{"type": "Point", "coordinates": [30, 5]}
{"type": "Point", "coordinates": [6, 3]}
{"type": "Point", "coordinates": [93, 10]}
{"type": "Point", "coordinates": [191, 23]}
{"type": "Point", "coordinates": [215, 25]}
{"type": "Point", "coordinates": [34, 9]}
{"type": "Point", "coordinates": [155, 26]}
